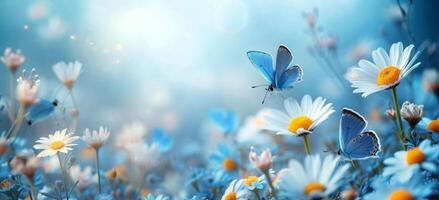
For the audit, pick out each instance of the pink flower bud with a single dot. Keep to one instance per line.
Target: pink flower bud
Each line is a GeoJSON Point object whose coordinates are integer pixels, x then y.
{"type": "Point", "coordinates": [262, 161]}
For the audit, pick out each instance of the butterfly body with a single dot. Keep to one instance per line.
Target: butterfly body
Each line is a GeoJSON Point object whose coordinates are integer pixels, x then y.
{"type": "Point", "coordinates": [282, 76]}
{"type": "Point", "coordinates": [355, 143]}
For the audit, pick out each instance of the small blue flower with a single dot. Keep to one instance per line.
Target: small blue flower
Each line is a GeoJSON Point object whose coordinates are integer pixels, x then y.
{"type": "Point", "coordinates": [227, 120]}
{"type": "Point", "coordinates": [162, 139]}
{"type": "Point", "coordinates": [405, 164]}
{"type": "Point", "coordinates": [225, 164]}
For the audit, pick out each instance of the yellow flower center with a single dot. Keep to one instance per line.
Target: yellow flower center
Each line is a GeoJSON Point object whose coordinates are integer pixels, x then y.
{"type": "Point", "coordinates": [400, 195]}
{"type": "Point", "coordinates": [229, 164]}
{"type": "Point", "coordinates": [56, 145]}
{"type": "Point", "coordinates": [230, 196]}
{"type": "Point", "coordinates": [312, 187]}
{"type": "Point", "coordinates": [299, 122]}
{"type": "Point", "coordinates": [415, 156]}
{"type": "Point", "coordinates": [250, 180]}
{"type": "Point", "coordinates": [5, 184]}
{"type": "Point", "coordinates": [388, 75]}
{"type": "Point", "coordinates": [433, 125]}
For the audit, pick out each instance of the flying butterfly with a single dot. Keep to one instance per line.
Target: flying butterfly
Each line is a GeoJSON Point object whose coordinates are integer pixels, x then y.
{"type": "Point", "coordinates": [355, 143]}
{"type": "Point", "coordinates": [40, 111]}
{"type": "Point", "coordinates": [283, 76]}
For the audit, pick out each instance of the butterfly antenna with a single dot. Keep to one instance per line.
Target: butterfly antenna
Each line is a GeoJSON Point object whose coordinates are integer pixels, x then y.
{"type": "Point", "coordinates": [256, 86]}
{"type": "Point", "coordinates": [265, 96]}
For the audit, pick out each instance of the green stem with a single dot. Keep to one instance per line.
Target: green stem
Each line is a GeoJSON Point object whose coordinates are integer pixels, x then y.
{"type": "Point", "coordinates": [398, 115]}
{"type": "Point", "coordinates": [98, 170]}
{"type": "Point", "coordinates": [270, 183]}
{"type": "Point", "coordinates": [354, 164]}
{"type": "Point", "coordinates": [12, 106]}
{"type": "Point", "coordinates": [15, 127]}
{"type": "Point", "coordinates": [64, 175]}
{"type": "Point", "coordinates": [34, 195]}
{"type": "Point", "coordinates": [258, 197]}
{"type": "Point", "coordinates": [307, 147]}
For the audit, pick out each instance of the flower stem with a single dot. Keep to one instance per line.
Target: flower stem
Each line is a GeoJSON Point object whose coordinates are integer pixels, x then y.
{"type": "Point", "coordinates": [64, 175]}
{"type": "Point", "coordinates": [270, 183]}
{"type": "Point", "coordinates": [258, 197]}
{"type": "Point", "coordinates": [12, 106]}
{"type": "Point", "coordinates": [307, 147]}
{"type": "Point", "coordinates": [33, 193]}
{"type": "Point", "coordinates": [398, 116]}
{"type": "Point", "coordinates": [17, 123]}
{"type": "Point", "coordinates": [75, 106]}
{"type": "Point", "coordinates": [98, 170]}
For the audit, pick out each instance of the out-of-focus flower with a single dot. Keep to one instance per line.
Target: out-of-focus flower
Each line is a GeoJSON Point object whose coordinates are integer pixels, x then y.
{"type": "Point", "coordinates": [111, 174]}
{"type": "Point", "coordinates": [5, 146]}
{"type": "Point", "coordinates": [236, 191]}
{"type": "Point", "coordinates": [12, 60]}
{"type": "Point", "coordinates": [60, 141]}
{"type": "Point", "coordinates": [349, 194]}
{"type": "Point", "coordinates": [226, 163]}
{"type": "Point", "coordinates": [96, 139]}
{"type": "Point", "coordinates": [262, 161]}
{"type": "Point", "coordinates": [316, 178]}
{"type": "Point", "coordinates": [27, 88]}
{"type": "Point", "coordinates": [50, 164]}
{"type": "Point", "coordinates": [84, 176]}
{"type": "Point", "coordinates": [311, 17]}
{"type": "Point", "coordinates": [38, 10]}
{"type": "Point", "coordinates": [408, 163]}
{"type": "Point", "coordinates": [54, 29]}
{"type": "Point", "coordinates": [131, 134]}
{"type": "Point", "coordinates": [360, 50]}
{"type": "Point", "coordinates": [252, 131]}
{"type": "Point", "coordinates": [299, 119]}
{"type": "Point", "coordinates": [67, 73]}
{"type": "Point", "coordinates": [385, 72]}
{"type": "Point", "coordinates": [412, 113]}
{"type": "Point", "coordinates": [227, 120]}
{"type": "Point", "coordinates": [431, 48]}
{"type": "Point", "coordinates": [416, 188]}
{"type": "Point", "coordinates": [328, 42]}
{"type": "Point", "coordinates": [139, 151]}
{"type": "Point", "coordinates": [25, 164]}
{"type": "Point", "coordinates": [430, 81]}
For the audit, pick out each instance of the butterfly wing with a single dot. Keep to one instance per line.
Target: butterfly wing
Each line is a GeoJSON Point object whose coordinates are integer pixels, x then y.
{"type": "Point", "coordinates": [264, 63]}
{"type": "Point", "coordinates": [226, 120]}
{"type": "Point", "coordinates": [363, 146]}
{"type": "Point", "coordinates": [351, 125]}
{"type": "Point", "coordinates": [39, 111]}
{"type": "Point", "coordinates": [283, 60]}
{"type": "Point", "coordinates": [162, 139]}
{"type": "Point", "coordinates": [289, 77]}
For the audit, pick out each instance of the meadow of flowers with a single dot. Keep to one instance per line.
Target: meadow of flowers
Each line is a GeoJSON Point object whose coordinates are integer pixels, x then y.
{"type": "Point", "coordinates": [288, 149]}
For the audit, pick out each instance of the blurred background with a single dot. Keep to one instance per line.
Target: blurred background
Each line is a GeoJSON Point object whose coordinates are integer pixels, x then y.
{"type": "Point", "coordinates": [166, 63]}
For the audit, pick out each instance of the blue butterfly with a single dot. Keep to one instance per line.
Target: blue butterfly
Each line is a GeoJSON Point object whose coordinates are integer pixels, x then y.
{"type": "Point", "coordinates": [162, 139]}
{"type": "Point", "coordinates": [40, 111]}
{"type": "Point", "coordinates": [355, 143]}
{"type": "Point", "coordinates": [283, 76]}
{"type": "Point", "coordinates": [227, 120]}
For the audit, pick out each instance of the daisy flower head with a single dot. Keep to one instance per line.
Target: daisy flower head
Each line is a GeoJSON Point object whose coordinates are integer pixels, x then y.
{"type": "Point", "coordinates": [406, 164]}
{"type": "Point", "coordinates": [416, 188]}
{"type": "Point", "coordinates": [412, 113]}
{"type": "Point", "coordinates": [83, 176]}
{"type": "Point", "coordinates": [386, 70]}
{"type": "Point", "coordinates": [60, 141]}
{"type": "Point", "coordinates": [226, 163]}
{"type": "Point", "coordinates": [67, 73]}
{"type": "Point", "coordinates": [299, 119]}
{"type": "Point", "coordinates": [27, 88]}
{"type": "Point", "coordinates": [12, 60]}
{"type": "Point", "coordinates": [263, 161]}
{"type": "Point", "coordinates": [96, 139]}
{"type": "Point", "coordinates": [236, 191]}
{"type": "Point", "coordinates": [316, 178]}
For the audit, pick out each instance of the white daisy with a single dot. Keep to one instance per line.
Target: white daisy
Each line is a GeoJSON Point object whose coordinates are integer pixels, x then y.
{"type": "Point", "coordinates": [386, 71]}
{"type": "Point", "coordinates": [298, 119]}
{"type": "Point", "coordinates": [12, 60]}
{"type": "Point", "coordinates": [95, 138]}
{"type": "Point", "coordinates": [60, 141]}
{"type": "Point", "coordinates": [140, 151]}
{"type": "Point", "coordinates": [412, 113]}
{"type": "Point", "coordinates": [316, 178]}
{"type": "Point", "coordinates": [130, 134]}
{"type": "Point", "coordinates": [67, 73]}
{"type": "Point", "coordinates": [408, 163]}
{"type": "Point", "coordinates": [236, 190]}
{"type": "Point", "coordinates": [416, 188]}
